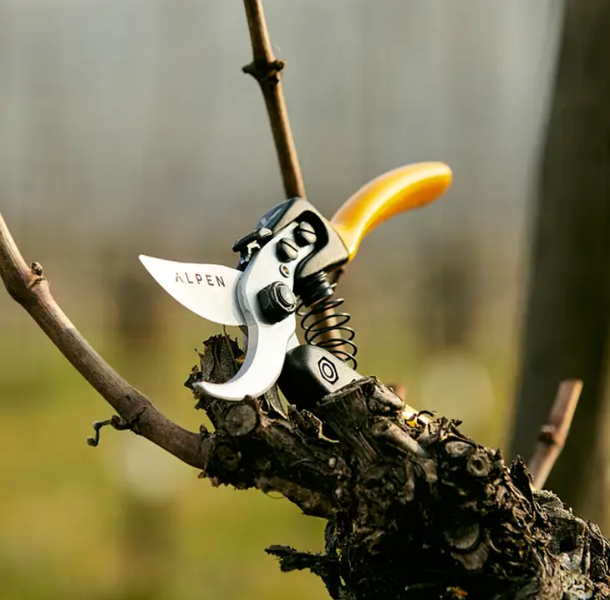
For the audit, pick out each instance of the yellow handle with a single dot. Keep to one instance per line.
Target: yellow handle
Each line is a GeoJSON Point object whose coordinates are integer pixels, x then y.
{"type": "Point", "coordinates": [389, 194]}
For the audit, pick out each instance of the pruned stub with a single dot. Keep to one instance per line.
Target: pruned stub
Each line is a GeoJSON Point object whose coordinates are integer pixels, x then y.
{"type": "Point", "coordinates": [436, 526]}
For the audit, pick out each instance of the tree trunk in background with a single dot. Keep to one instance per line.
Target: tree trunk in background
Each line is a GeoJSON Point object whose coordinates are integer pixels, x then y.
{"type": "Point", "coordinates": [566, 322]}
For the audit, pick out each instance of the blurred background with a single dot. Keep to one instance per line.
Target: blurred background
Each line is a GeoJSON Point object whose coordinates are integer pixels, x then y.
{"type": "Point", "coordinates": [127, 127]}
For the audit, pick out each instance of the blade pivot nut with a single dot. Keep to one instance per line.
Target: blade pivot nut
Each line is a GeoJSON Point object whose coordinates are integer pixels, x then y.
{"type": "Point", "coordinates": [277, 301]}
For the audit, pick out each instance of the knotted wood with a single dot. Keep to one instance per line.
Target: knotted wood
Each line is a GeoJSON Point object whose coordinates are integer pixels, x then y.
{"type": "Point", "coordinates": [415, 510]}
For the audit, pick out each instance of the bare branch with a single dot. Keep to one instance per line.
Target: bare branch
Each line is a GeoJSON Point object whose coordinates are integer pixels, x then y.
{"type": "Point", "coordinates": [267, 70]}
{"type": "Point", "coordinates": [29, 287]}
{"type": "Point", "coordinates": [553, 435]}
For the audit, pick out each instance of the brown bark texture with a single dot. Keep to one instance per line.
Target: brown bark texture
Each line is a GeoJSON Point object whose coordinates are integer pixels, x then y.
{"type": "Point", "coordinates": [568, 305]}
{"type": "Point", "coordinates": [415, 509]}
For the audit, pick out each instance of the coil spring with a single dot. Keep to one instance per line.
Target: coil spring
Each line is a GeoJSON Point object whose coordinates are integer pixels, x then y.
{"type": "Point", "coordinates": [315, 324]}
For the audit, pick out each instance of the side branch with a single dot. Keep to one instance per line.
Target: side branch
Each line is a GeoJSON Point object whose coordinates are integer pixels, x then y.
{"type": "Point", "coordinates": [553, 435]}
{"type": "Point", "coordinates": [267, 70]}
{"type": "Point", "coordinates": [29, 287]}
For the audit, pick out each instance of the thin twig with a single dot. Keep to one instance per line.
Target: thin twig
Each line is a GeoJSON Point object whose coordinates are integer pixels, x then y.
{"type": "Point", "coordinates": [553, 435]}
{"type": "Point", "coordinates": [267, 70]}
{"type": "Point", "coordinates": [29, 287]}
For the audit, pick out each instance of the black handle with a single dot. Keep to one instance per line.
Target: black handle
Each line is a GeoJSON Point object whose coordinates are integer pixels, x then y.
{"type": "Point", "coordinates": [310, 373]}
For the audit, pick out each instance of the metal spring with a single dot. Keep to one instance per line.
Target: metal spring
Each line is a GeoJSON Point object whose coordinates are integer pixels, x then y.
{"type": "Point", "coordinates": [315, 324]}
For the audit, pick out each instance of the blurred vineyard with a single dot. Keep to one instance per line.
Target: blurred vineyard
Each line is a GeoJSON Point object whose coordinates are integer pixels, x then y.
{"type": "Point", "coordinates": [126, 127]}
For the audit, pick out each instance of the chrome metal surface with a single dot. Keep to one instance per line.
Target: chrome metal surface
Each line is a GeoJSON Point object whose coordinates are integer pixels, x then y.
{"type": "Point", "coordinates": [267, 344]}
{"type": "Point", "coordinates": [210, 291]}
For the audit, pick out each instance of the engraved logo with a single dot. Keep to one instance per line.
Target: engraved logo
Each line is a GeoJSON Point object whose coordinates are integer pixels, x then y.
{"type": "Point", "coordinates": [328, 370]}
{"type": "Point", "coordinates": [200, 279]}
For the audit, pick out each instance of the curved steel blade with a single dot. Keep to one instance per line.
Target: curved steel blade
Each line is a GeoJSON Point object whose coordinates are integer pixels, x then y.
{"type": "Point", "coordinates": [210, 291]}
{"type": "Point", "coordinates": [267, 343]}
{"type": "Point", "coordinates": [260, 370]}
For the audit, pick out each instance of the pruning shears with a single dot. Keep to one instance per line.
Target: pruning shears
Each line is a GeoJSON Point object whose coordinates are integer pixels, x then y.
{"type": "Point", "coordinates": [288, 265]}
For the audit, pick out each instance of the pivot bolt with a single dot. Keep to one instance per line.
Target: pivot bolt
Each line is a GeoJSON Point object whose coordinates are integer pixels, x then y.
{"type": "Point", "coordinates": [277, 301]}
{"type": "Point", "coordinates": [287, 250]}
{"type": "Point", "coordinates": [305, 234]}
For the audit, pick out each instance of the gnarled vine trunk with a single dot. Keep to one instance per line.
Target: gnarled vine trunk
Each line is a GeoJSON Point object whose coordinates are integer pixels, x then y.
{"type": "Point", "coordinates": [415, 509]}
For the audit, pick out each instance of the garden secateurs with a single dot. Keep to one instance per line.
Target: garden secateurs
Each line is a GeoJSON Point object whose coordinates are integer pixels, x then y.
{"type": "Point", "coordinates": [287, 266]}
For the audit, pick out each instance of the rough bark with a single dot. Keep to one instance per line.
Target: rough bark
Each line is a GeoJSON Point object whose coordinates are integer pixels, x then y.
{"type": "Point", "coordinates": [568, 306]}
{"type": "Point", "coordinates": [415, 509]}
